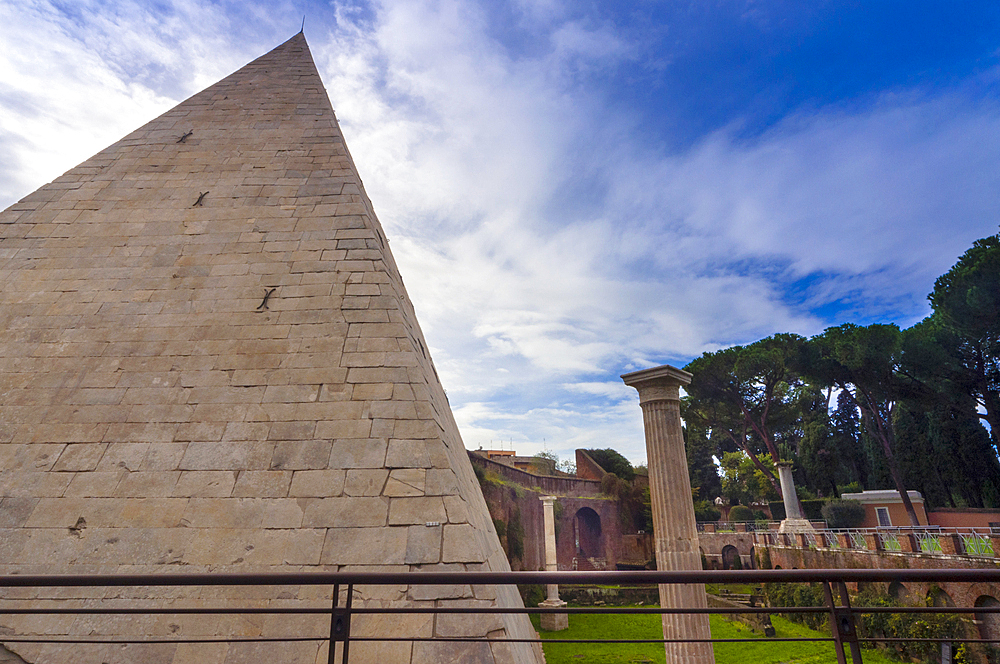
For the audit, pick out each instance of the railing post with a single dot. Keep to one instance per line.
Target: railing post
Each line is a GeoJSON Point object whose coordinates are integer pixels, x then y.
{"type": "Point", "coordinates": [951, 544]}
{"type": "Point", "coordinates": [842, 624]}
{"type": "Point", "coordinates": [995, 541]}
{"type": "Point", "coordinates": [340, 624]}
{"type": "Point", "coordinates": [908, 543]}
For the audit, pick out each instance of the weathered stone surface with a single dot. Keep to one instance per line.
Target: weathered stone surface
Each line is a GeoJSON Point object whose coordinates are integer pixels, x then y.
{"type": "Point", "coordinates": [159, 413]}
{"type": "Point", "coordinates": [423, 545]}
{"type": "Point", "coordinates": [365, 546]}
{"type": "Point", "coordinates": [404, 511]}
{"type": "Point", "coordinates": [406, 482]}
{"type": "Point", "coordinates": [315, 483]}
{"type": "Point", "coordinates": [461, 545]}
{"type": "Point", "coordinates": [365, 482]}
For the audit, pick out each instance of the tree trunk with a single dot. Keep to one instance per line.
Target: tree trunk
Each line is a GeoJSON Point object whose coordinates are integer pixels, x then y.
{"type": "Point", "coordinates": [761, 467]}
{"type": "Point", "coordinates": [883, 434]}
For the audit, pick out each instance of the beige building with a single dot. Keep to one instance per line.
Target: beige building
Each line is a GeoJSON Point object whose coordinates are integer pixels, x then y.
{"type": "Point", "coordinates": [885, 508]}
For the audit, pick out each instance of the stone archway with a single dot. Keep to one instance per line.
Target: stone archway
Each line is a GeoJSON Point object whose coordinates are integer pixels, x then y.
{"type": "Point", "coordinates": [730, 556]}
{"type": "Point", "coordinates": [939, 597]}
{"type": "Point", "coordinates": [898, 591]}
{"type": "Point", "coordinates": [988, 623]}
{"type": "Point", "coordinates": [589, 538]}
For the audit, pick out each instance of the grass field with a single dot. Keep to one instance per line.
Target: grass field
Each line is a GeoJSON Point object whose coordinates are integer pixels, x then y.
{"type": "Point", "coordinates": [762, 651]}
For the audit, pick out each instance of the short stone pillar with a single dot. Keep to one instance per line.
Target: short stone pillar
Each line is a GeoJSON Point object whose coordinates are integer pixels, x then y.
{"type": "Point", "coordinates": [674, 526]}
{"type": "Point", "coordinates": [845, 540]}
{"type": "Point", "coordinates": [873, 542]}
{"type": "Point", "coordinates": [951, 544]}
{"type": "Point", "coordinates": [995, 541]}
{"type": "Point", "coordinates": [794, 521]}
{"type": "Point", "coordinates": [552, 622]}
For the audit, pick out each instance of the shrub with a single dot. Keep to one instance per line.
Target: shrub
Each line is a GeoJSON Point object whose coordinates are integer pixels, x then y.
{"type": "Point", "coordinates": [797, 594]}
{"type": "Point", "coordinates": [531, 595]}
{"type": "Point", "coordinates": [741, 513]}
{"type": "Point", "coordinates": [515, 536]}
{"type": "Point", "coordinates": [843, 513]}
{"type": "Point", "coordinates": [613, 486]}
{"type": "Point", "coordinates": [704, 510]}
{"type": "Point", "coordinates": [813, 509]}
{"type": "Point", "coordinates": [613, 462]}
{"type": "Point", "coordinates": [907, 626]}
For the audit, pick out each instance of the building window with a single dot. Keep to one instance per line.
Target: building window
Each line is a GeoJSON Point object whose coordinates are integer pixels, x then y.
{"type": "Point", "coordinates": [883, 516]}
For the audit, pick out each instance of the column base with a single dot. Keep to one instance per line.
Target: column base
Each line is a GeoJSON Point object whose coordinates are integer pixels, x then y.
{"type": "Point", "coordinates": [553, 622]}
{"type": "Point", "coordinates": [796, 526]}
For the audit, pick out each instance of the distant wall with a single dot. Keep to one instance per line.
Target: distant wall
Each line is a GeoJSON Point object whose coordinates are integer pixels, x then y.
{"type": "Point", "coordinates": [516, 501]}
{"type": "Point", "coordinates": [551, 485]}
{"type": "Point", "coordinates": [963, 517]}
{"type": "Point", "coordinates": [963, 594]}
{"type": "Point", "coordinates": [587, 468]}
{"type": "Point", "coordinates": [712, 544]}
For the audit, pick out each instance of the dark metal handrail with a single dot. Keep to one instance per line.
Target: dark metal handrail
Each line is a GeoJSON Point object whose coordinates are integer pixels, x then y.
{"type": "Point", "coordinates": [837, 606]}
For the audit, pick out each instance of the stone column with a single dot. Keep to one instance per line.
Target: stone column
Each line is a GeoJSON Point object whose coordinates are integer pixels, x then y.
{"type": "Point", "coordinates": [794, 521]}
{"type": "Point", "coordinates": [789, 497]}
{"type": "Point", "coordinates": [552, 622]}
{"type": "Point", "coordinates": [674, 527]}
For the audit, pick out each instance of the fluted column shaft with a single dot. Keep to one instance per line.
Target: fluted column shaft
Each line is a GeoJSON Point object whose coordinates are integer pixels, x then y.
{"type": "Point", "coordinates": [551, 565]}
{"type": "Point", "coordinates": [675, 531]}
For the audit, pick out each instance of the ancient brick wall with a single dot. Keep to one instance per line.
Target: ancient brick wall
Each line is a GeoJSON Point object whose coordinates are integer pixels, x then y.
{"type": "Point", "coordinates": [962, 594]}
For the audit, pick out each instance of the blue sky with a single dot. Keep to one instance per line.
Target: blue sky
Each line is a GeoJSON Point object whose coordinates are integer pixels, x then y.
{"type": "Point", "coordinates": [578, 189]}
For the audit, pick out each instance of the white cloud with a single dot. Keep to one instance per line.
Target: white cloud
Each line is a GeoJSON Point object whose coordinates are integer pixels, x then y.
{"type": "Point", "coordinates": [547, 247]}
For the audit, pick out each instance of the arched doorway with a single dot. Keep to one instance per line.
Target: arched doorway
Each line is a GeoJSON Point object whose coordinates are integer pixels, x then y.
{"type": "Point", "coordinates": [731, 557]}
{"type": "Point", "coordinates": [988, 623]}
{"type": "Point", "coordinates": [939, 597]}
{"type": "Point", "coordinates": [587, 529]}
{"type": "Point", "coordinates": [898, 591]}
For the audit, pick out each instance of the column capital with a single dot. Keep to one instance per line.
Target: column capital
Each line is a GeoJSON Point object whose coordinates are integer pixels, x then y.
{"type": "Point", "coordinates": [548, 500]}
{"type": "Point", "coordinates": [661, 383]}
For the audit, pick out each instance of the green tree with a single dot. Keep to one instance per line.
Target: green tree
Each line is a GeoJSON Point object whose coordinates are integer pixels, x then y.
{"type": "Point", "coordinates": [742, 481]}
{"type": "Point", "coordinates": [966, 320]}
{"type": "Point", "coordinates": [703, 472]}
{"type": "Point", "coordinates": [744, 391]}
{"type": "Point", "coordinates": [613, 462]}
{"type": "Point", "coordinates": [864, 363]}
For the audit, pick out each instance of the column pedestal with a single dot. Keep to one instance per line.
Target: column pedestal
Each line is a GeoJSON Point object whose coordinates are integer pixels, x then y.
{"type": "Point", "coordinates": [674, 527]}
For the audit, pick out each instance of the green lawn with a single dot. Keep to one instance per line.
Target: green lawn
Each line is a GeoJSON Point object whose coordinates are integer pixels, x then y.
{"type": "Point", "coordinates": [761, 651]}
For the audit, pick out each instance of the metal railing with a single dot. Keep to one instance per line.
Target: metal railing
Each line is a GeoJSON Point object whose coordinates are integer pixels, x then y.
{"type": "Point", "coordinates": [23, 595]}
{"type": "Point", "coordinates": [935, 540]}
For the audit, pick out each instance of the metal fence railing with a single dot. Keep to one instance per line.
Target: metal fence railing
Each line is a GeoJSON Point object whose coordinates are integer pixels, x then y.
{"type": "Point", "coordinates": [973, 542]}
{"type": "Point", "coordinates": [129, 598]}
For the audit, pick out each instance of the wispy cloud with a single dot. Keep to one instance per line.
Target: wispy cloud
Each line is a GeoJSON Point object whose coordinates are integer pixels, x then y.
{"type": "Point", "coordinates": [547, 243]}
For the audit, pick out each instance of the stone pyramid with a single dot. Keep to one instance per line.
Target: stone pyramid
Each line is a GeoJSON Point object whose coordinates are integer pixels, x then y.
{"type": "Point", "coordinates": [208, 362]}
